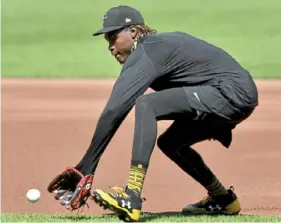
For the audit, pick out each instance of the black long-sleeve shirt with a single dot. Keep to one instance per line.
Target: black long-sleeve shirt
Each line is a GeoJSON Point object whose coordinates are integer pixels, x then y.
{"type": "Point", "coordinates": [164, 61]}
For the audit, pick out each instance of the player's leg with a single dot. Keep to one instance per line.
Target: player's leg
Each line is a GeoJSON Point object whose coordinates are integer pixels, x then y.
{"type": "Point", "coordinates": [175, 144]}
{"type": "Point", "coordinates": [165, 105]}
{"type": "Point", "coordinates": [217, 117]}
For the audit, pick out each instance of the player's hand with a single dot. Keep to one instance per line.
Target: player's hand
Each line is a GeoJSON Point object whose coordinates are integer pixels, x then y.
{"type": "Point", "coordinates": [71, 188]}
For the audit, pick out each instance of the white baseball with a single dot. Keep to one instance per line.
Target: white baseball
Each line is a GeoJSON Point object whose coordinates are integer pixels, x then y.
{"type": "Point", "coordinates": [33, 195]}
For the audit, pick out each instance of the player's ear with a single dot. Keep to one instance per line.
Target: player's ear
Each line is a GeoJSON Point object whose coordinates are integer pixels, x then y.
{"type": "Point", "coordinates": [133, 31]}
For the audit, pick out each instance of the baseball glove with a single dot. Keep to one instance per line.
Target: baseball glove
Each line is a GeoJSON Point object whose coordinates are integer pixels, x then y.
{"type": "Point", "coordinates": [71, 188]}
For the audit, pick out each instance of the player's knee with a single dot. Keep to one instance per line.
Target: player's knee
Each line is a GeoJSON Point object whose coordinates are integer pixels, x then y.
{"type": "Point", "coordinates": [143, 102]}
{"type": "Point", "coordinates": [183, 150]}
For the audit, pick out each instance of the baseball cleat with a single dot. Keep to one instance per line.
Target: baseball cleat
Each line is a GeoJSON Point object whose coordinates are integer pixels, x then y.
{"type": "Point", "coordinates": [124, 202]}
{"type": "Point", "coordinates": [222, 204]}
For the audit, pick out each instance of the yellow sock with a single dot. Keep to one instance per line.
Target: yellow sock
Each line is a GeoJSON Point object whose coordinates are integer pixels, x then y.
{"type": "Point", "coordinates": [216, 188]}
{"type": "Point", "coordinates": [136, 178]}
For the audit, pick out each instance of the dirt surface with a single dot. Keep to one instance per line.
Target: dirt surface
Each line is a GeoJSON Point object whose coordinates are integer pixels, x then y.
{"type": "Point", "coordinates": [48, 125]}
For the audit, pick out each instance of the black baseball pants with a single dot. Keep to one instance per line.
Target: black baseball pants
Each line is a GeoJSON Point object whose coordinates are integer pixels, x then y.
{"type": "Point", "coordinates": [199, 113]}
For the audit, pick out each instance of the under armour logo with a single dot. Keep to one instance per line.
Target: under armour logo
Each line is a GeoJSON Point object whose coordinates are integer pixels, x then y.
{"type": "Point", "coordinates": [215, 208]}
{"type": "Point", "coordinates": [126, 204]}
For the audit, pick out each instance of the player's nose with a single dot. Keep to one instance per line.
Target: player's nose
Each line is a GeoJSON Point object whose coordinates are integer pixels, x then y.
{"type": "Point", "coordinates": [111, 48]}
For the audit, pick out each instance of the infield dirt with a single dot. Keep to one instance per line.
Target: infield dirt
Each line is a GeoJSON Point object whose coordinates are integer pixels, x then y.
{"type": "Point", "coordinates": [48, 125]}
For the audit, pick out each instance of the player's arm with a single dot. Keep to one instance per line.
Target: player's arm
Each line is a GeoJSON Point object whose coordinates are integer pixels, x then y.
{"type": "Point", "coordinates": [72, 186]}
{"type": "Point", "coordinates": [134, 80]}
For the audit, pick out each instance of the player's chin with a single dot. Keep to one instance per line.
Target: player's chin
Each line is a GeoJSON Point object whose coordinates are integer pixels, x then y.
{"type": "Point", "coordinates": [120, 60]}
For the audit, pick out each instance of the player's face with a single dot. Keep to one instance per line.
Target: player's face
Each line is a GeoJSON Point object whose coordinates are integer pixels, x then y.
{"type": "Point", "coordinates": [121, 43]}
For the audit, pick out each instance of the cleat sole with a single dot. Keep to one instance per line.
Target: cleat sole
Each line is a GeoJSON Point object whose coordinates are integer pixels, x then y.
{"type": "Point", "coordinates": [122, 215]}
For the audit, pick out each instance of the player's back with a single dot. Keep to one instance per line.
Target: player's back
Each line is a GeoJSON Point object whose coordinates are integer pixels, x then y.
{"type": "Point", "coordinates": [183, 60]}
{"type": "Point", "coordinates": [179, 53]}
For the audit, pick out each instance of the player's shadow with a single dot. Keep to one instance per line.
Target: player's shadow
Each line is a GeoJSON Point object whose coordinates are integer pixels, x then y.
{"type": "Point", "coordinates": [145, 217]}
{"type": "Point", "coordinates": [149, 216]}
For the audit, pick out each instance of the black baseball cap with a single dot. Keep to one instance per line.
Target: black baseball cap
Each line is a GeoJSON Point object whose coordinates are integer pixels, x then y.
{"type": "Point", "coordinates": [120, 17]}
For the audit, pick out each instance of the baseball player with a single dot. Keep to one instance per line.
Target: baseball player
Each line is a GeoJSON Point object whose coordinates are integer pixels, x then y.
{"type": "Point", "coordinates": [199, 86]}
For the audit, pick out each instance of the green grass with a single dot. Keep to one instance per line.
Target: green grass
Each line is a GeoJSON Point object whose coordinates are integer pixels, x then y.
{"type": "Point", "coordinates": [164, 217]}
{"type": "Point", "coordinates": [53, 38]}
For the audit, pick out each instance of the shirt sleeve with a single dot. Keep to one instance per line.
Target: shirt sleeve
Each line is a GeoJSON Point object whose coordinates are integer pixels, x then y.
{"type": "Point", "coordinates": [133, 81]}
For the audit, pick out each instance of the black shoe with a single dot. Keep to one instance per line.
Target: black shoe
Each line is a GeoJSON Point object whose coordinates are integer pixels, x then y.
{"type": "Point", "coordinates": [227, 204]}
{"type": "Point", "coordinates": [126, 203]}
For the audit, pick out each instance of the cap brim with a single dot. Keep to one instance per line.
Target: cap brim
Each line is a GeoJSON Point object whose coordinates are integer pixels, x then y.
{"type": "Point", "coordinates": [107, 30]}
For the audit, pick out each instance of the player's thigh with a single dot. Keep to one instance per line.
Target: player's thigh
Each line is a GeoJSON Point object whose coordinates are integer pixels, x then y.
{"type": "Point", "coordinates": [215, 116]}
{"type": "Point", "coordinates": [168, 104]}
{"type": "Point", "coordinates": [211, 105]}
{"type": "Point", "coordinates": [189, 132]}
{"type": "Point", "coordinates": [184, 131]}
